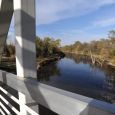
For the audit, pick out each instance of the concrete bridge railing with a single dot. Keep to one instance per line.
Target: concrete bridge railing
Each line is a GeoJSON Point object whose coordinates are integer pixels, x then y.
{"type": "Point", "coordinates": [24, 109]}
{"type": "Point", "coordinates": [59, 101]}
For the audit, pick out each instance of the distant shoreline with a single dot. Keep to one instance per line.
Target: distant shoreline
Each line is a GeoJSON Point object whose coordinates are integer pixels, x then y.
{"type": "Point", "coordinates": [108, 62]}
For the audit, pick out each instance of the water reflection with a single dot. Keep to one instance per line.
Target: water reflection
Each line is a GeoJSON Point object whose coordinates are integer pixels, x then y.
{"type": "Point", "coordinates": [109, 85]}
{"type": "Point", "coordinates": [47, 71]}
{"type": "Point", "coordinates": [77, 74]}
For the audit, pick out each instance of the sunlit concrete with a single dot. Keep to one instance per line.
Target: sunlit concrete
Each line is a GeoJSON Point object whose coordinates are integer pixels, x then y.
{"type": "Point", "coordinates": [57, 100]}
{"type": "Point", "coordinates": [24, 16]}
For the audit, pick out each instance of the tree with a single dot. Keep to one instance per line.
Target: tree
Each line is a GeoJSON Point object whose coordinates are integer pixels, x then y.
{"type": "Point", "coordinates": [47, 46]}
{"type": "Point", "coordinates": [112, 34]}
{"type": "Point", "coordinates": [10, 50]}
{"type": "Point", "coordinates": [103, 47]}
{"type": "Point", "coordinates": [113, 52]}
{"type": "Point", "coordinates": [39, 46]}
{"type": "Point", "coordinates": [112, 37]}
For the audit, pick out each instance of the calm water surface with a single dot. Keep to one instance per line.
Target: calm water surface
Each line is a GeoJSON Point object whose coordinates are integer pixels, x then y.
{"type": "Point", "coordinates": [76, 74]}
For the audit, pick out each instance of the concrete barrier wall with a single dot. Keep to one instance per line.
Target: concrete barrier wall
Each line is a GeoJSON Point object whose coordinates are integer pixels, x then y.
{"type": "Point", "coordinates": [57, 100]}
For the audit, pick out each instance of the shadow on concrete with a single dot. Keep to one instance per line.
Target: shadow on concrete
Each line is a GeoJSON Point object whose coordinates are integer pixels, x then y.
{"type": "Point", "coordinates": [27, 34]}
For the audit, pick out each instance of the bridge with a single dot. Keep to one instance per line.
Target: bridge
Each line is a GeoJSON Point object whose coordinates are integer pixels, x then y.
{"type": "Point", "coordinates": [22, 94]}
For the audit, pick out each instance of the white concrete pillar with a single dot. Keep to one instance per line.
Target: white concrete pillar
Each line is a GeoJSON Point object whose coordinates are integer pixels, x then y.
{"type": "Point", "coordinates": [6, 13]}
{"type": "Point", "coordinates": [24, 19]}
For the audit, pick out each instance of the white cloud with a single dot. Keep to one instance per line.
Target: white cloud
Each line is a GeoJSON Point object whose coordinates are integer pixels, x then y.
{"type": "Point", "coordinates": [104, 23]}
{"type": "Point", "coordinates": [49, 11]}
{"type": "Point", "coordinates": [72, 35]}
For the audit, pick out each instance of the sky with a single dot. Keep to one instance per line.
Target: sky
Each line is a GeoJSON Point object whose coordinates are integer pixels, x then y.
{"type": "Point", "coordinates": [73, 20]}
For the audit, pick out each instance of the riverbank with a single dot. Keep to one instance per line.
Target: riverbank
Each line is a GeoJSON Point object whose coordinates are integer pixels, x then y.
{"type": "Point", "coordinates": [99, 57]}
{"type": "Point", "coordinates": [44, 61]}
{"type": "Point", "coordinates": [9, 63]}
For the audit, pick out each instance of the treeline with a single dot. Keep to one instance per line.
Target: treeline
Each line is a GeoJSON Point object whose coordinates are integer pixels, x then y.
{"type": "Point", "coordinates": [9, 50]}
{"type": "Point", "coordinates": [44, 47]}
{"type": "Point", "coordinates": [48, 47]}
{"type": "Point", "coordinates": [104, 47]}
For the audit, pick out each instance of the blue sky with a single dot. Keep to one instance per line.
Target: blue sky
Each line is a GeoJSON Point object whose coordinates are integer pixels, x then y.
{"type": "Point", "coordinates": [73, 20]}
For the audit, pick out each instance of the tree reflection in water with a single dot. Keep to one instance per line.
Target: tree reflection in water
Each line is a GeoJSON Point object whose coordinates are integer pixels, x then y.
{"type": "Point", "coordinates": [45, 72]}
{"type": "Point", "coordinates": [109, 94]}
{"type": "Point", "coordinates": [52, 74]}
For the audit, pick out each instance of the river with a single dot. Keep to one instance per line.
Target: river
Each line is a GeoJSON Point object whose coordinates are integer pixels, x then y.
{"type": "Point", "coordinates": [76, 73]}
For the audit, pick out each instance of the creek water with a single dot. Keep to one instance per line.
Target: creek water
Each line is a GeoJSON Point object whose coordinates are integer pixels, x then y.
{"type": "Point", "coordinates": [76, 73]}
